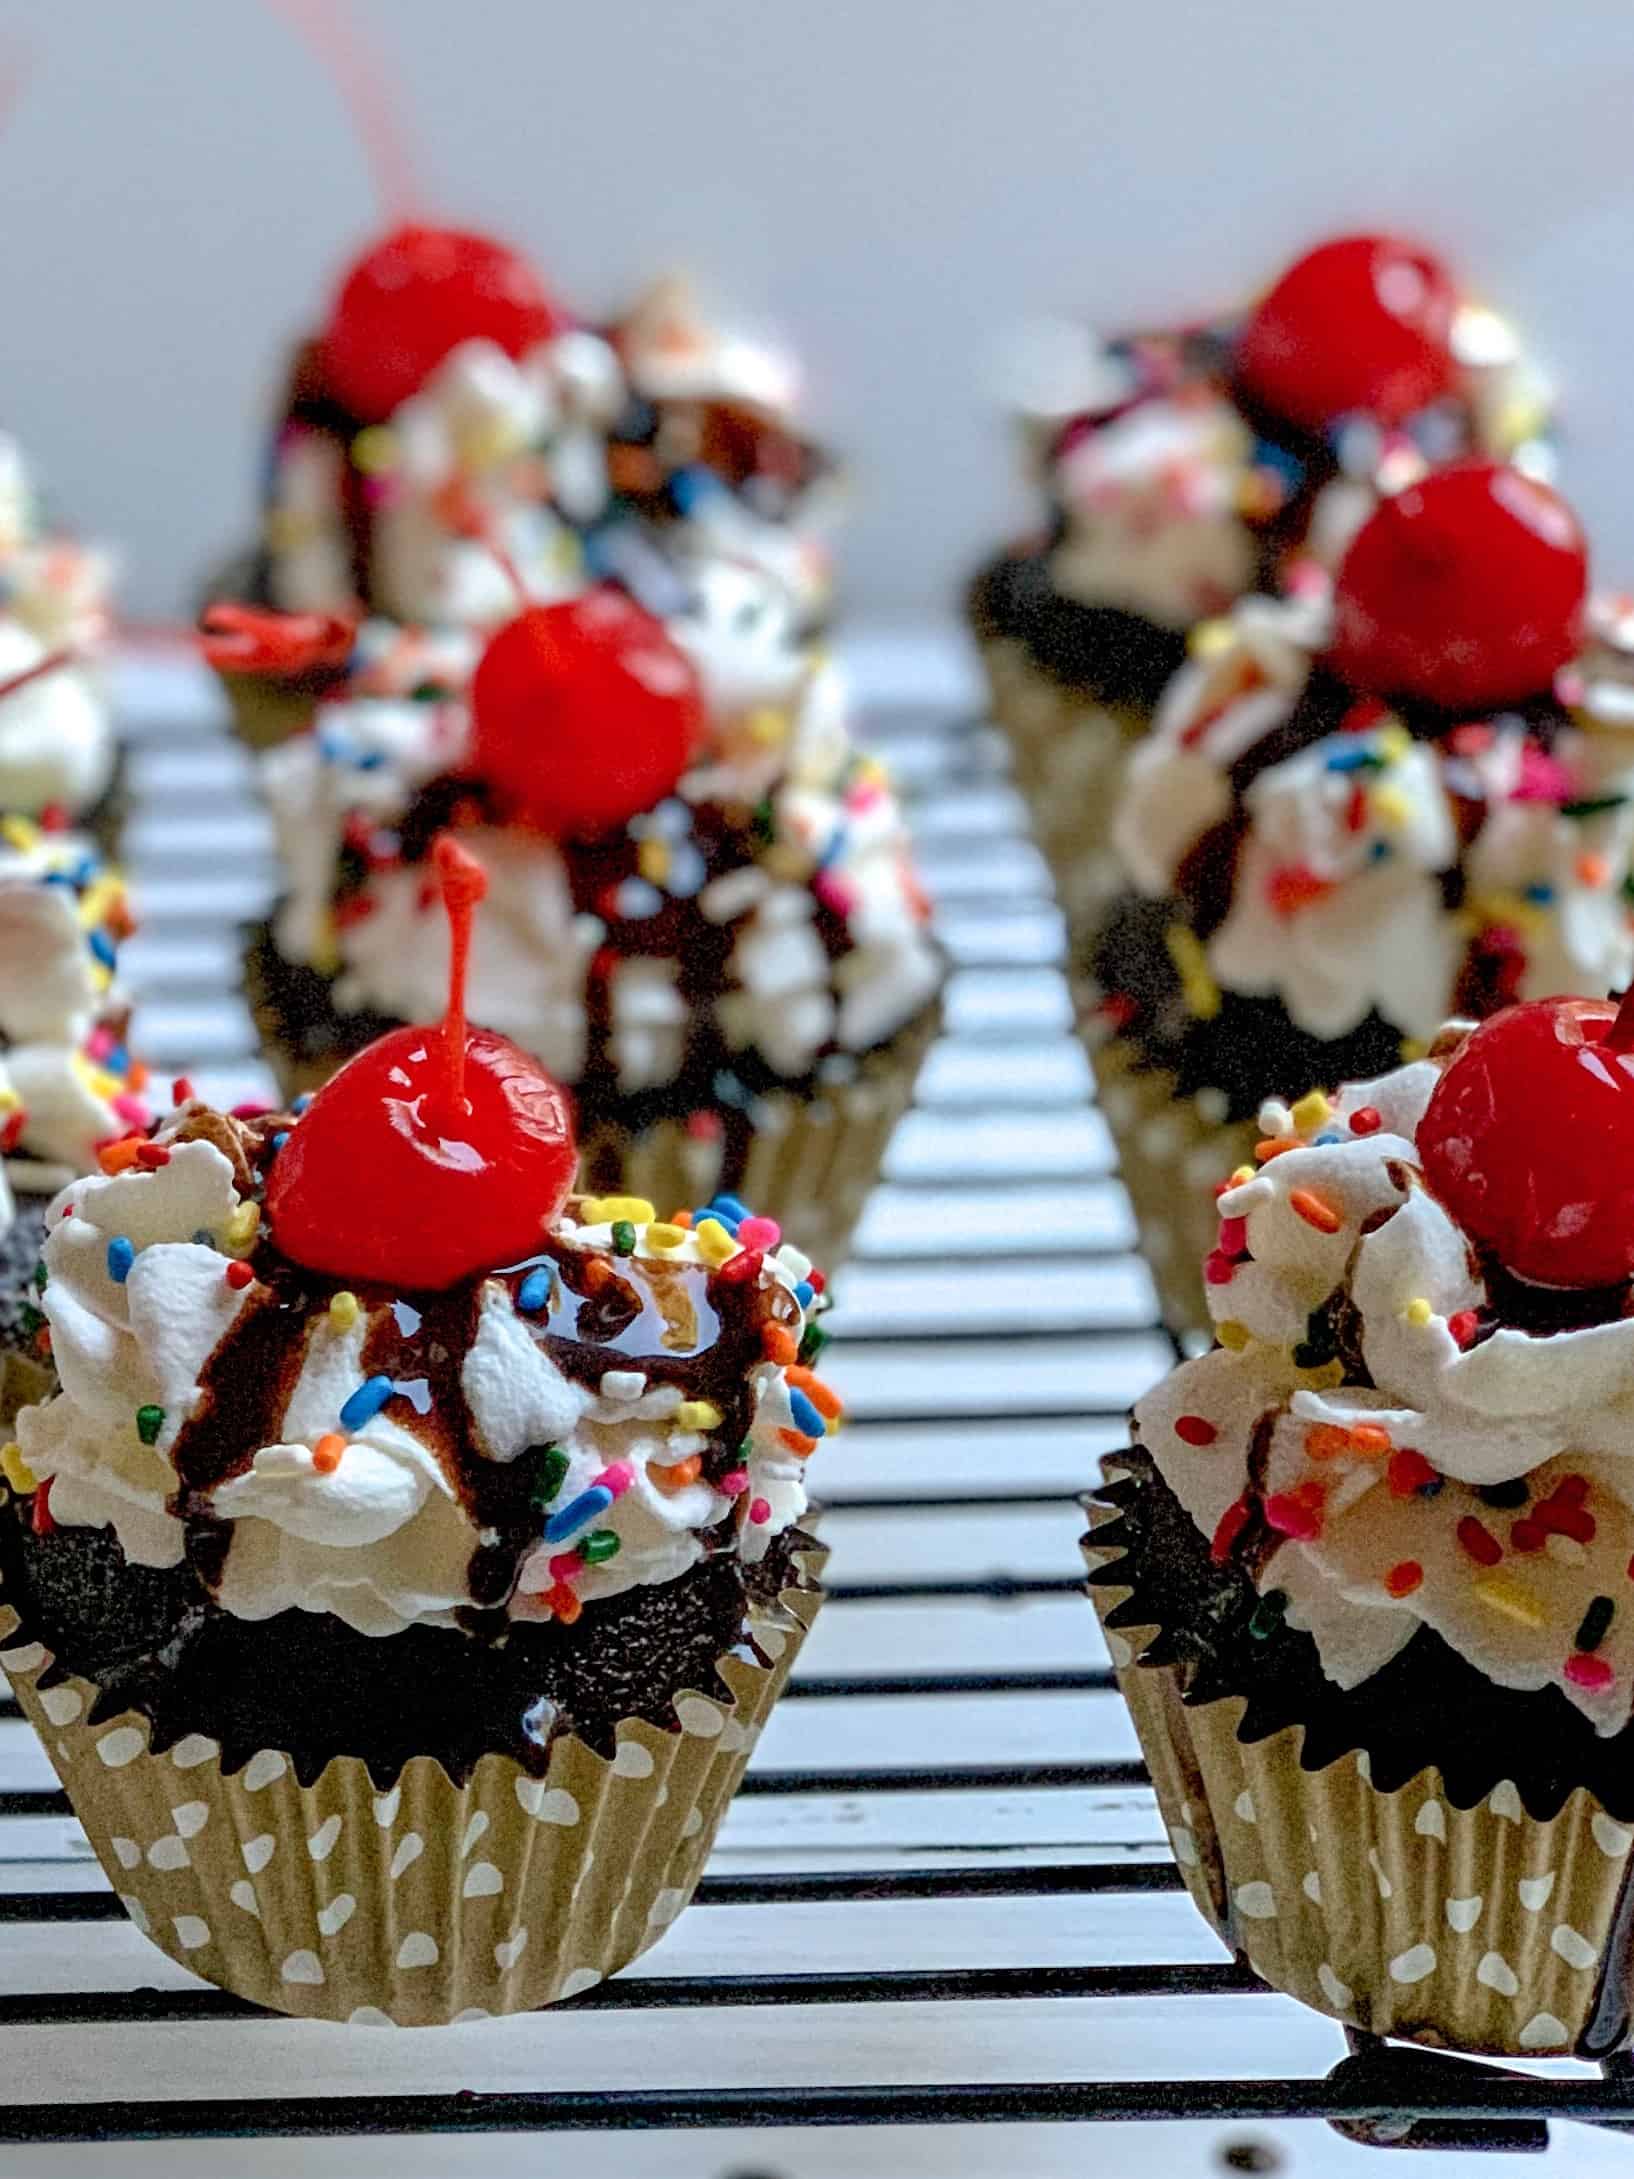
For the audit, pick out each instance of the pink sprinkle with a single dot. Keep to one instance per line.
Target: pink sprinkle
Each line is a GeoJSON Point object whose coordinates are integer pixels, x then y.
{"type": "Point", "coordinates": [99, 1044]}
{"type": "Point", "coordinates": [760, 1233]}
{"type": "Point", "coordinates": [131, 1109]}
{"type": "Point", "coordinates": [760, 1512]}
{"type": "Point", "coordinates": [565, 1565]}
{"type": "Point", "coordinates": [1543, 778]}
{"type": "Point", "coordinates": [617, 1478]}
{"type": "Point", "coordinates": [834, 892]}
{"type": "Point", "coordinates": [864, 795]}
{"type": "Point", "coordinates": [733, 1481]}
{"type": "Point", "coordinates": [1233, 1236]}
{"type": "Point", "coordinates": [1219, 1270]}
{"type": "Point", "coordinates": [1588, 1671]}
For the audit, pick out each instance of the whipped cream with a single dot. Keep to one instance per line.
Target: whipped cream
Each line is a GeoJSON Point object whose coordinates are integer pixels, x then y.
{"type": "Point", "coordinates": [377, 1517]}
{"type": "Point", "coordinates": [1373, 1490]}
{"type": "Point", "coordinates": [813, 905]}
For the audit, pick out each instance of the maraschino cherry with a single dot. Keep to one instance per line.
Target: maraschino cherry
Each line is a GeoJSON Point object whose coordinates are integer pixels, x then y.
{"type": "Point", "coordinates": [1465, 590]}
{"type": "Point", "coordinates": [1359, 324]}
{"type": "Point", "coordinates": [583, 714]}
{"type": "Point", "coordinates": [1529, 1140]}
{"type": "Point", "coordinates": [415, 295]}
{"type": "Point", "coordinates": [437, 1153]}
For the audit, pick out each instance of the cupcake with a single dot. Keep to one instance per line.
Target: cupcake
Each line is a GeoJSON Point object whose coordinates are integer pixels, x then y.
{"type": "Point", "coordinates": [69, 1087]}
{"type": "Point", "coordinates": [1365, 1569]}
{"type": "Point", "coordinates": [1352, 820]}
{"type": "Point", "coordinates": [703, 917]}
{"type": "Point", "coordinates": [1184, 470]}
{"type": "Point", "coordinates": [708, 456]}
{"type": "Point", "coordinates": [57, 748]}
{"type": "Point", "coordinates": [411, 1556]}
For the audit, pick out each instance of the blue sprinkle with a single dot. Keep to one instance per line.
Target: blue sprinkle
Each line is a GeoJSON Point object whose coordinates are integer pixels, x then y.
{"type": "Point", "coordinates": [86, 869]}
{"type": "Point", "coordinates": [804, 1295]}
{"type": "Point", "coordinates": [806, 1418]}
{"type": "Point", "coordinates": [121, 1255]}
{"type": "Point", "coordinates": [835, 848]}
{"type": "Point", "coordinates": [1541, 893]}
{"type": "Point", "coordinates": [1380, 851]}
{"type": "Point", "coordinates": [1349, 760]}
{"type": "Point", "coordinates": [371, 760]}
{"type": "Point", "coordinates": [721, 1218]}
{"type": "Point", "coordinates": [279, 1140]}
{"type": "Point", "coordinates": [102, 947]}
{"type": "Point", "coordinates": [59, 877]}
{"type": "Point", "coordinates": [204, 1237]}
{"type": "Point", "coordinates": [689, 487]}
{"type": "Point", "coordinates": [366, 1402]}
{"type": "Point", "coordinates": [301, 1102]}
{"type": "Point", "coordinates": [732, 1208]}
{"type": "Point", "coordinates": [578, 1513]}
{"type": "Point", "coordinates": [534, 1291]}
{"type": "Point", "coordinates": [117, 1061]}
{"type": "Point", "coordinates": [1321, 1140]}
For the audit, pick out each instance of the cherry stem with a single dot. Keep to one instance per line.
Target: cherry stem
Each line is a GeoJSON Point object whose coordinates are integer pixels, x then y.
{"type": "Point", "coordinates": [1620, 1036]}
{"type": "Point", "coordinates": [250, 639]}
{"type": "Point", "coordinates": [331, 34]}
{"type": "Point", "coordinates": [53, 662]}
{"type": "Point", "coordinates": [464, 883]}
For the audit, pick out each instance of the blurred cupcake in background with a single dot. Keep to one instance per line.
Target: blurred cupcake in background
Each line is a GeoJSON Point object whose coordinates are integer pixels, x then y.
{"type": "Point", "coordinates": [703, 915]}
{"type": "Point", "coordinates": [1181, 470]}
{"type": "Point", "coordinates": [1351, 820]}
{"type": "Point", "coordinates": [57, 744]}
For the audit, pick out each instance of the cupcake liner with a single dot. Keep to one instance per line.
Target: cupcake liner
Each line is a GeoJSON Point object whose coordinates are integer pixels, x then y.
{"type": "Point", "coordinates": [1483, 1929]}
{"type": "Point", "coordinates": [1068, 749]}
{"type": "Point", "coordinates": [428, 1903]}
{"type": "Point", "coordinates": [1171, 1156]}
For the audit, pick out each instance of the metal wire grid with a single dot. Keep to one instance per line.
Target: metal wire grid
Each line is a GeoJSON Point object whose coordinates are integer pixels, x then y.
{"type": "Point", "coordinates": [943, 1899]}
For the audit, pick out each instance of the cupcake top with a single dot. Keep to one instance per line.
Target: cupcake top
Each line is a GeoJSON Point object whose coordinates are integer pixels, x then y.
{"type": "Point", "coordinates": [372, 1359]}
{"type": "Point", "coordinates": [1352, 853]}
{"type": "Point", "coordinates": [1183, 468]}
{"type": "Point", "coordinates": [56, 730]}
{"type": "Point", "coordinates": [1421, 1409]}
{"type": "Point", "coordinates": [67, 1080]}
{"type": "Point", "coordinates": [698, 881]}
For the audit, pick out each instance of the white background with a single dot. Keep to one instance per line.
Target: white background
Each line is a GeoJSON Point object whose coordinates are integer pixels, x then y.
{"type": "Point", "coordinates": [892, 180]}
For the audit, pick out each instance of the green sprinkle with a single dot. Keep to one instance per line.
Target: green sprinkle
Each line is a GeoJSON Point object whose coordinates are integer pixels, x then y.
{"type": "Point", "coordinates": [551, 1475]}
{"type": "Point", "coordinates": [623, 1237]}
{"type": "Point", "coordinates": [599, 1546]}
{"type": "Point", "coordinates": [30, 1317]}
{"type": "Point", "coordinates": [149, 1422]}
{"type": "Point", "coordinates": [1596, 1623]}
{"type": "Point", "coordinates": [813, 1341]}
{"type": "Point", "coordinates": [1593, 805]}
{"type": "Point", "coordinates": [1268, 1615]}
{"type": "Point", "coordinates": [42, 1277]}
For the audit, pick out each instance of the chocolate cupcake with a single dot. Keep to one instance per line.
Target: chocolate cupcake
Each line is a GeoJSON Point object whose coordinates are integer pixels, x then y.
{"type": "Point", "coordinates": [1183, 470]}
{"type": "Point", "coordinates": [703, 914]}
{"type": "Point", "coordinates": [404, 1570]}
{"type": "Point", "coordinates": [1351, 821]}
{"type": "Point", "coordinates": [1365, 1572]}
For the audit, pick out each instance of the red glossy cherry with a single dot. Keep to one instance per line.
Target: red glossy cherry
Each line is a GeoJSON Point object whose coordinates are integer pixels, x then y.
{"type": "Point", "coordinates": [412, 298]}
{"type": "Point", "coordinates": [1466, 590]}
{"type": "Point", "coordinates": [1529, 1140]}
{"type": "Point", "coordinates": [1362, 323]}
{"type": "Point", "coordinates": [584, 714]}
{"type": "Point", "coordinates": [434, 1155]}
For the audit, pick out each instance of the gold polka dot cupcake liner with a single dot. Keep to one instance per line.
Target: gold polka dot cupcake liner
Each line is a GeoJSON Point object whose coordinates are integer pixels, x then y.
{"type": "Point", "coordinates": [1068, 751]}
{"type": "Point", "coordinates": [1479, 1929]}
{"type": "Point", "coordinates": [428, 1903]}
{"type": "Point", "coordinates": [1172, 1152]}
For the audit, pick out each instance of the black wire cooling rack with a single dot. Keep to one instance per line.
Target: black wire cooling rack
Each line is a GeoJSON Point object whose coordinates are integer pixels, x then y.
{"type": "Point", "coordinates": [941, 1925]}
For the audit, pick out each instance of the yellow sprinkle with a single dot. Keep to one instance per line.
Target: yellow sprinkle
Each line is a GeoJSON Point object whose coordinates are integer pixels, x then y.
{"type": "Point", "coordinates": [20, 831]}
{"type": "Point", "coordinates": [1393, 741]}
{"type": "Point", "coordinates": [1324, 1377]}
{"type": "Point", "coordinates": [9, 1100]}
{"type": "Point", "coordinates": [634, 1209]}
{"type": "Point", "coordinates": [1418, 1311]}
{"type": "Point", "coordinates": [715, 1244]}
{"type": "Point", "coordinates": [16, 1469]}
{"type": "Point", "coordinates": [1509, 1598]}
{"type": "Point", "coordinates": [1413, 1047]}
{"type": "Point", "coordinates": [1210, 637]}
{"type": "Point", "coordinates": [1198, 988]}
{"type": "Point", "coordinates": [767, 727]}
{"type": "Point", "coordinates": [374, 450]}
{"type": "Point", "coordinates": [343, 1309]}
{"type": "Point", "coordinates": [1312, 1109]}
{"type": "Point", "coordinates": [652, 860]}
{"type": "Point", "coordinates": [1391, 805]}
{"type": "Point", "coordinates": [242, 1227]}
{"type": "Point", "coordinates": [661, 1234]}
{"type": "Point", "coordinates": [1233, 1335]}
{"type": "Point", "coordinates": [697, 1415]}
{"type": "Point", "coordinates": [1241, 1174]}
